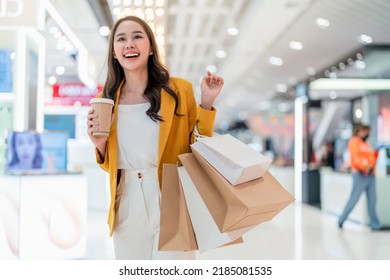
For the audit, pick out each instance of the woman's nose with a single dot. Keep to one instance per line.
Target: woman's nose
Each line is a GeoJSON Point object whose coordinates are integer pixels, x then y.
{"type": "Point", "coordinates": [130, 44]}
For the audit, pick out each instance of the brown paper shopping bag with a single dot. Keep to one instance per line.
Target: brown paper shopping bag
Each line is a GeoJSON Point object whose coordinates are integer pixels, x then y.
{"type": "Point", "coordinates": [235, 207]}
{"type": "Point", "coordinates": [208, 235]}
{"type": "Point", "coordinates": [233, 159]}
{"type": "Point", "coordinates": [176, 232]}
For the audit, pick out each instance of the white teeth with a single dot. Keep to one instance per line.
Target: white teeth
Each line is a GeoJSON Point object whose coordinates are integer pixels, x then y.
{"type": "Point", "coordinates": [131, 55]}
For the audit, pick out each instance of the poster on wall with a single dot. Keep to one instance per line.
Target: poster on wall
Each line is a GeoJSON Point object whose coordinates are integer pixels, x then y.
{"type": "Point", "coordinates": [5, 71]}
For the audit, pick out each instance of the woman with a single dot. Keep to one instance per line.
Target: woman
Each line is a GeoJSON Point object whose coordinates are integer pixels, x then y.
{"type": "Point", "coordinates": [152, 123]}
{"type": "Point", "coordinates": [25, 151]}
{"type": "Point", "coordinates": [363, 161]}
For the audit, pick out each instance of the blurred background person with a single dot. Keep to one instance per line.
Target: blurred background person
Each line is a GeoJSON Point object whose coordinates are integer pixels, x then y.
{"type": "Point", "coordinates": [363, 161]}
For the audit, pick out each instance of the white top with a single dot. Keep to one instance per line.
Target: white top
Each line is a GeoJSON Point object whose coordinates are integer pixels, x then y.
{"type": "Point", "coordinates": [137, 137]}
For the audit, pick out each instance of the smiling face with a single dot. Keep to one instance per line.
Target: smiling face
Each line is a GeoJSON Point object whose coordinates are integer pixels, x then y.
{"type": "Point", "coordinates": [131, 46]}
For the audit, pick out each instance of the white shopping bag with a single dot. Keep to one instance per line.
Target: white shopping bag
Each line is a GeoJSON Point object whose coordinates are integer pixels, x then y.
{"type": "Point", "coordinates": [208, 236]}
{"type": "Point", "coordinates": [233, 159]}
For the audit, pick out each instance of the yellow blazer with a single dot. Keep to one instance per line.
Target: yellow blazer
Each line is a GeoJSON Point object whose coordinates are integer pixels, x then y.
{"type": "Point", "coordinates": [175, 135]}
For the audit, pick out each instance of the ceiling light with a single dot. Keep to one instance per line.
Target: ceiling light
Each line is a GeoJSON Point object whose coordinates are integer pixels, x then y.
{"type": "Point", "coordinates": [148, 3]}
{"type": "Point", "coordinates": [116, 2]}
{"type": "Point", "coordinates": [127, 11]}
{"type": "Point", "coordinates": [52, 80]}
{"type": "Point", "coordinates": [341, 66]}
{"type": "Point", "coordinates": [159, 3]}
{"type": "Point", "coordinates": [359, 64]}
{"type": "Point", "coordinates": [12, 55]}
{"type": "Point", "coordinates": [116, 11]}
{"type": "Point", "coordinates": [232, 31]}
{"type": "Point", "coordinates": [127, 2]}
{"type": "Point", "coordinates": [60, 70]}
{"type": "Point", "coordinates": [322, 22]}
{"type": "Point", "coordinates": [281, 88]}
{"type": "Point", "coordinates": [358, 113]}
{"type": "Point", "coordinates": [220, 54]}
{"type": "Point", "coordinates": [138, 3]}
{"type": "Point", "coordinates": [104, 31]}
{"type": "Point", "coordinates": [277, 61]}
{"type": "Point", "coordinates": [295, 45]}
{"type": "Point", "coordinates": [365, 39]}
{"type": "Point", "coordinates": [211, 68]}
{"type": "Point", "coordinates": [160, 30]}
{"type": "Point", "coordinates": [160, 12]}
{"type": "Point", "coordinates": [333, 94]}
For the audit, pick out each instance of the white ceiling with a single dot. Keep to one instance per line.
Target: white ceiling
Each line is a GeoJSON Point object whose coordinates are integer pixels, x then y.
{"type": "Point", "coordinates": [196, 29]}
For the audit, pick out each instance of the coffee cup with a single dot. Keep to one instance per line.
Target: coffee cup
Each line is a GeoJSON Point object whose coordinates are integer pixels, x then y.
{"type": "Point", "coordinates": [103, 109]}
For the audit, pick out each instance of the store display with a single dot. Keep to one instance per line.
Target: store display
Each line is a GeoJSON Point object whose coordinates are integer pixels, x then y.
{"type": "Point", "coordinates": [30, 152]}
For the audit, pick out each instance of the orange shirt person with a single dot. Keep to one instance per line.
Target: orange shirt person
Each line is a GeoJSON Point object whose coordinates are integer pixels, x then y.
{"type": "Point", "coordinates": [363, 160]}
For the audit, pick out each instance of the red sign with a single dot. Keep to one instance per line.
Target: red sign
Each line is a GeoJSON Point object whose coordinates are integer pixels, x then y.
{"type": "Point", "coordinates": [67, 94]}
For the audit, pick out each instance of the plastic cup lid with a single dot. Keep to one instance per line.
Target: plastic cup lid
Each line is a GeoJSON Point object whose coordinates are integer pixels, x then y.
{"type": "Point", "coordinates": [101, 100]}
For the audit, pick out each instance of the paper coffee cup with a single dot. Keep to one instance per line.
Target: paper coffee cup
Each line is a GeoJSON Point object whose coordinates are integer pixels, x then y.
{"type": "Point", "coordinates": [103, 109]}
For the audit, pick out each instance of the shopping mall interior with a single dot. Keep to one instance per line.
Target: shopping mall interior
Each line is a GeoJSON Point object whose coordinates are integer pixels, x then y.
{"type": "Point", "coordinates": [298, 76]}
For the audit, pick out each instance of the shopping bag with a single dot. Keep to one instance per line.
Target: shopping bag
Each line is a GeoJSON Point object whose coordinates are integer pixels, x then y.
{"type": "Point", "coordinates": [235, 207]}
{"type": "Point", "coordinates": [176, 232]}
{"type": "Point", "coordinates": [207, 233]}
{"type": "Point", "coordinates": [235, 160]}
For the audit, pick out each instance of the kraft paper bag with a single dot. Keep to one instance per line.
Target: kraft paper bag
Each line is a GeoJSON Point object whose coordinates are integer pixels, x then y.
{"type": "Point", "coordinates": [235, 207]}
{"type": "Point", "coordinates": [234, 159]}
{"type": "Point", "coordinates": [207, 233]}
{"type": "Point", "coordinates": [176, 232]}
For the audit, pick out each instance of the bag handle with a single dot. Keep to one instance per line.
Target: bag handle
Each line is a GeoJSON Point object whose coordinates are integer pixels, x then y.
{"type": "Point", "coordinates": [198, 135]}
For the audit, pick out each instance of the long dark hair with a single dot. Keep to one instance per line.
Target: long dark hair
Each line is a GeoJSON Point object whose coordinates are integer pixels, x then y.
{"type": "Point", "coordinates": [158, 75]}
{"type": "Point", "coordinates": [37, 161]}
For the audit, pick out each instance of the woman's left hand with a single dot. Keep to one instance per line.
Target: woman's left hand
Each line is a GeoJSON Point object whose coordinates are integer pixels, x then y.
{"type": "Point", "coordinates": [210, 87]}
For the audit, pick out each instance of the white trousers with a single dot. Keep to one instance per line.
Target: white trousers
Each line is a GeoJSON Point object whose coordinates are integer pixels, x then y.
{"type": "Point", "coordinates": [137, 220]}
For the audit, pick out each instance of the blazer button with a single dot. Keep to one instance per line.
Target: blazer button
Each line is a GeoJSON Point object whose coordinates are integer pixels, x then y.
{"type": "Point", "coordinates": [139, 175]}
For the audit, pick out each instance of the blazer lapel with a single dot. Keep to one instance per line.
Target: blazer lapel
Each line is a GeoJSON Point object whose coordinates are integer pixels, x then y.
{"type": "Point", "coordinates": [167, 110]}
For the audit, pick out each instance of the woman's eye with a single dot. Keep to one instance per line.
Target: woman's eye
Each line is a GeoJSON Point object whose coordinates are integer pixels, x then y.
{"type": "Point", "coordinates": [121, 39]}
{"type": "Point", "coordinates": [137, 37]}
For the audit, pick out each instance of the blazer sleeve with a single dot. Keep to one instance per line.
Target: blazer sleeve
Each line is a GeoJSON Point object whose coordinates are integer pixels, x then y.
{"type": "Point", "coordinates": [103, 163]}
{"type": "Point", "coordinates": [202, 118]}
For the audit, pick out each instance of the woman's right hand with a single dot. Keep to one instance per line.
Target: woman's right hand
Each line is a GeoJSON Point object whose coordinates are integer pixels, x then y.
{"type": "Point", "coordinates": [93, 125]}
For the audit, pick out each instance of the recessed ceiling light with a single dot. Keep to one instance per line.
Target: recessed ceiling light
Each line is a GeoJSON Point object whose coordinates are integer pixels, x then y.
{"type": "Point", "coordinates": [358, 113]}
{"type": "Point", "coordinates": [359, 64]}
{"type": "Point", "coordinates": [281, 88]}
{"type": "Point", "coordinates": [116, 2]}
{"type": "Point", "coordinates": [233, 31]}
{"type": "Point", "coordinates": [220, 54]}
{"type": "Point", "coordinates": [52, 80]}
{"type": "Point", "coordinates": [295, 45]}
{"type": "Point", "coordinates": [60, 70]}
{"type": "Point", "coordinates": [365, 39]}
{"type": "Point", "coordinates": [211, 68]}
{"type": "Point", "coordinates": [277, 61]}
{"type": "Point", "coordinates": [333, 94]}
{"type": "Point", "coordinates": [322, 22]}
{"type": "Point", "coordinates": [104, 31]}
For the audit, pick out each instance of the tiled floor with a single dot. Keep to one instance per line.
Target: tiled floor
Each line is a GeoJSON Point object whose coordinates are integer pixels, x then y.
{"type": "Point", "coordinates": [298, 232]}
